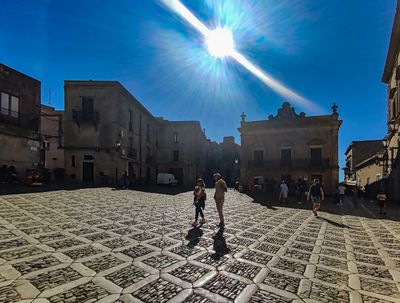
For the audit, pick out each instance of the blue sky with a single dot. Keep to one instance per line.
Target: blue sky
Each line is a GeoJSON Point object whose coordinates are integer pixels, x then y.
{"type": "Point", "coordinates": [326, 51]}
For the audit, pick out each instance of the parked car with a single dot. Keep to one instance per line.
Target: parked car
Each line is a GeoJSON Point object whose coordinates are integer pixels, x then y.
{"type": "Point", "coordinates": [166, 179]}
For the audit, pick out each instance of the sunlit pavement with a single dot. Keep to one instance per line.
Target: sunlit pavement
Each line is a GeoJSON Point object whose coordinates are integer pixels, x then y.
{"type": "Point", "coordinates": [99, 245]}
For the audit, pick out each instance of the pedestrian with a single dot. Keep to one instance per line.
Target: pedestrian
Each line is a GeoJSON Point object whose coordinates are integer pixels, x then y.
{"type": "Point", "coordinates": [381, 197]}
{"type": "Point", "coordinates": [283, 192]}
{"type": "Point", "coordinates": [125, 180]}
{"type": "Point", "coordinates": [341, 192]}
{"type": "Point", "coordinates": [237, 184]}
{"type": "Point", "coordinates": [199, 201]}
{"type": "Point", "coordinates": [316, 193]}
{"type": "Point", "coordinates": [219, 197]}
{"type": "Point", "coordinates": [300, 191]}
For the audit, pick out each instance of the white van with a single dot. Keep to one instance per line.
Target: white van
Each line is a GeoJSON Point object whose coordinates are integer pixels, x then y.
{"type": "Point", "coordinates": [166, 179]}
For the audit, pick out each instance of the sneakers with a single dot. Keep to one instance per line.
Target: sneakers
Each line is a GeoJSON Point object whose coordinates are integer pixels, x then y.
{"type": "Point", "coordinates": [202, 221]}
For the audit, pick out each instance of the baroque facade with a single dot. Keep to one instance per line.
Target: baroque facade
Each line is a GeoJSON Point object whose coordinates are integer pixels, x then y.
{"type": "Point", "coordinates": [290, 146]}
{"type": "Point", "coordinates": [19, 120]}
{"type": "Point", "coordinates": [390, 160]}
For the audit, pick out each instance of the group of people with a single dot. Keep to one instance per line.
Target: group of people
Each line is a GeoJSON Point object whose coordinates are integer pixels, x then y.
{"type": "Point", "coordinates": [200, 197]}
{"type": "Point", "coordinates": [8, 174]}
{"type": "Point", "coordinates": [315, 193]}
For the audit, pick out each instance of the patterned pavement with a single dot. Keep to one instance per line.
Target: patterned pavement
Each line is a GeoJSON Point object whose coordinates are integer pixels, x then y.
{"type": "Point", "coordinates": [100, 245]}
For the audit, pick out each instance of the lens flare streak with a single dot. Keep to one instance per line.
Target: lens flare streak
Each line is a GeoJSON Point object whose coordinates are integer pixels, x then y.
{"type": "Point", "coordinates": [177, 7]}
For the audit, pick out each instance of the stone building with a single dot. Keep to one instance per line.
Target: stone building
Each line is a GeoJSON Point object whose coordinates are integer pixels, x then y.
{"type": "Point", "coordinates": [290, 146]}
{"type": "Point", "coordinates": [19, 120]}
{"type": "Point", "coordinates": [108, 131]}
{"type": "Point", "coordinates": [390, 160]}
{"type": "Point", "coordinates": [362, 165]}
{"type": "Point", "coordinates": [358, 152]}
{"type": "Point", "coordinates": [51, 128]}
{"type": "Point", "coordinates": [182, 148]}
{"type": "Point", "coordinates": [230, 153]}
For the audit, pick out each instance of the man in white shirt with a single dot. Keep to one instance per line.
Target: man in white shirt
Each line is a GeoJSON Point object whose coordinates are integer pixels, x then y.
{"type": "Point", "coordinates": [284, 192]}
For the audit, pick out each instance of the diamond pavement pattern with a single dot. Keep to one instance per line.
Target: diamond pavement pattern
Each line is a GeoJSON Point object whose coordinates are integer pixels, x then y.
{"type": "Point", "coordinates": [100, 245]}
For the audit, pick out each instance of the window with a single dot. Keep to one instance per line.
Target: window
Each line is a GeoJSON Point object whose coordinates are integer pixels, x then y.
{"type": "Point", "coordinates": [87, 105]}
{"type": "Point", "coordinates": [175, 137]}
{"type": "Point", "coordinates": [176, 155]}
{"type": "Point", "coordinates": [14, 106]}
{"type": "Point", "coordinates": [258, 156]}
{"type": "Point", "coordinates": [73, 161]}
{"type": "Point", "coordinates": [148, 133]}
{"type": "Point", "coordinates": [316, 156]}
{"type": "Point", "coordinates": [130, 119]}
{"type": "Point", "coordinates": [5, 108]}
{"type": "Point", "coordinates": [286, 157]}
{"type": "Point", "coordinates": [9, 105]}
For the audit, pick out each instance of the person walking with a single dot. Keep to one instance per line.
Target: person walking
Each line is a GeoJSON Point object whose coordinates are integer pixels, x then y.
{"type": "Point", "coordinates": [219, 197]}
{"type": "Point", "coordinates": [316, 193]}
{"type": "Point", "coordinates": [283, 192]}
{"type": "Point", "coordinates": [341, 192]}
{"type": "Point", "coordinates": [199, 201]}
{"type": "Point", "coordinates": [381, 197]}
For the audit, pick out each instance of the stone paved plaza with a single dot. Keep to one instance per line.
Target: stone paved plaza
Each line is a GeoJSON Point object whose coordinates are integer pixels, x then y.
{"type": "Point", "coordinates": [100, 245]}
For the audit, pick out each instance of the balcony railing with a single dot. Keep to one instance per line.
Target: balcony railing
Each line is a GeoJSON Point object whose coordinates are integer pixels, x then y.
{"type": "Point", "coordinates": [85, 116]}
{"type": "Point", "coordinates": [294, 164]}
{"type": "Point", "coordinates": [19, 119]}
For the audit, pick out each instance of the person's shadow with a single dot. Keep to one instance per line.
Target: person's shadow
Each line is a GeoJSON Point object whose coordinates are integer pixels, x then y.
{"type": "Point", "coordinates": [193, 236]}
{"type": "Point", "coordinates": [219, 246]}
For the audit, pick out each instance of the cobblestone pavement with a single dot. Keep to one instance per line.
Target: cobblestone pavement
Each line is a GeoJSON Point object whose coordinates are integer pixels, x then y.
{"type": "Point", "coordinates": [99, 245]}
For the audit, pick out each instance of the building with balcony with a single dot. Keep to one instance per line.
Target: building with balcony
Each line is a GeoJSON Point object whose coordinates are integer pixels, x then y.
{"type": "Point", "coordinates": [391, 77]}
{"type": "Point", "coordinates": [290, 146]}
{"type": "Point", "coordinates": [107, 131]}
{"type": "Point", "coordinates": [19, 120]}
{"type": "Point", "coordinates": [51, 128]}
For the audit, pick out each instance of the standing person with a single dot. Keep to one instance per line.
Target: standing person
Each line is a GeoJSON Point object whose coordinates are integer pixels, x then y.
{"type": "Point", "coordinates": [237, 184]}
{"type": "Point", "coordinates": [219, 196]}
{"type": "Point", "coordinates": [300, 191]}
{"type": "Point", "coordinates": [341, 192]}
{"type": "Point", "coordinates": [316, 193]}
{"type": "Point", "coordinates": [199, 201]}
{"type": "Point", "coordinates": [125, 180]}
{"type": "Point", "coordinates": [283, 192]}
{"type": "Point", "coordinates": [381, 197]}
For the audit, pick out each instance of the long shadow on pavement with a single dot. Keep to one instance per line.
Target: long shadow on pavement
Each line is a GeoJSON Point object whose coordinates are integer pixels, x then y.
{"type": "Point", "coordinates": [219, 245]}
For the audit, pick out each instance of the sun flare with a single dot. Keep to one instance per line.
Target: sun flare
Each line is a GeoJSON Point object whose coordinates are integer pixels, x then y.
{"type": "Point", "coordinates": [220, 42]}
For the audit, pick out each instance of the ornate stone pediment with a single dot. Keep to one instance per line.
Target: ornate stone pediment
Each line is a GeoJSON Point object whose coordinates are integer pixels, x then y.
{"type": "Point", "coordinates": [286, 112]}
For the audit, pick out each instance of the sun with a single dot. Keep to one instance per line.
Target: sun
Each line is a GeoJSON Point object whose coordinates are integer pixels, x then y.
{"type": "Point", "coordinates": [220, 42]}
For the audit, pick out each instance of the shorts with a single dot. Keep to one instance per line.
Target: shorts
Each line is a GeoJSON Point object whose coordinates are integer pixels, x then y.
{"type": "Point", "coordinates": [316, 199]}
